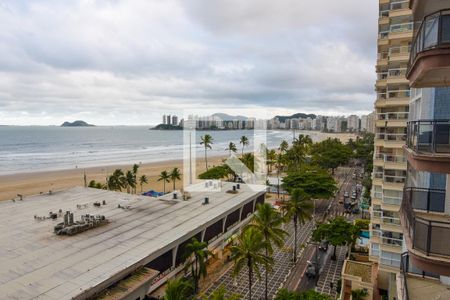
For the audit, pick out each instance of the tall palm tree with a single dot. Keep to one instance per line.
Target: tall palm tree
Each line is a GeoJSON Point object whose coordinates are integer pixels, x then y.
{"type": "Point", "coordinates": [206, 141]}
{"type": "Point", "coordinates": [164, 177]}
{"type": "Point", "coordinates": [200, 253]}
{"type": "Point", "coordinates": [135, 171]}
{"type": "Point", "coordinates": [244, 142]}
{"type": "Point", "coordinates": [248, 252]}
{"type": "Point", "coordinates": [231, 147]}
{"type": "Point", "coordinates": [178, 289]}
{"type": "Point", "coordinates": [130, 181]}
{"type": "Point", "coordinates": [283, 146]}
{"type": "Point", "coordinates": [299, 209]}
{"type": "Point", "coordinates": [175, 175]}
{"type": "Point", "coordinates": [268, 222]}
{"type": "Point", "coordinates": [220, 294]}
{"type": "Point", "coordinates": [143, 179]}
{"type": "Point", "coordinates": [271, 156]}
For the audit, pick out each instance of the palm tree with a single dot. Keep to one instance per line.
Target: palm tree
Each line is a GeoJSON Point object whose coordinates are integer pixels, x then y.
{"type": "Point", "coordinates": [206, 141]}
{"type": "Point", "coordinates": [200, 253]}
{"type": "Point", "coordinates": [271, 156]}
{"type": "Point", "coordinates": [231, 147]}
{"type": "Point", "coordinates": [130, 181]}
{"type": "Point", "coordinates": [268, 222]}
{"type": "Point", "coordinates": [299, 209]}
{"type": "Point", "coordinates": [244, 142]}
{"type": "Point", "coordinates": [116, 181]}
{"type": "Point", "coordinates": [135, 171]}
{"type": "Point", "coordinates": [175, 175]}
{"type": "Point", "coordinates": [143, 179]}
{"type": "Point", "coordinates": [165, 177]}
{"type": "Point", "coordinates": [359, 294]}
{"type": "Point", "coordinates": [220, 294]}
{"type": "Point", "coordinates": [247, 252]}
{"type": "Point", "coordinates": [178, 289]}
{"type": "Point", "coordinates": [283, 146]}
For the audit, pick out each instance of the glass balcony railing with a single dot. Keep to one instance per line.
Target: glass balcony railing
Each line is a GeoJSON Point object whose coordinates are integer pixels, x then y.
{"type": "Point", "coordinates": [397, 73]}
{"type": "Point", "coordinates": [429, 136]}
{"type": "Point", "coordinates": [392, 200]}
{"type": "Point", "coordinates": [427, 236]}
{"type": "Point", "coordinates": [384, 13]}
{"type": "Point", "coordinates": [399, 5]}
{"type": "Point", "coordinates": [382, 75]}
{"type": "Point", "coordinates": [392, 137]}
{"type": "Point", "coordinates": [404, 27]}
{"type": "Point", "coordinates": [392, 262]}
{"type": "Point", "coordinates": [383, 34]}
{"type": "Point", "coordinates": [399, 51]}
{"type": "Point", "coordinates": [391, 221]}
{"type": "Point", "coordinates": [433, 32]}
{"type": "Point", "coordinates": [398, 94]}
{"type": "Point", "coordinates": [394, 179]}
{"type": "Point", "coordinates": [390, 158]}
{"type": "Point", "coordinates": [392, 116]}
{"type": "Point", "coordinates": [377, 214]}
{"type": "Point", "coordinates": [392, 241]}
{"type": "Point", "coordinates": [426, 199]}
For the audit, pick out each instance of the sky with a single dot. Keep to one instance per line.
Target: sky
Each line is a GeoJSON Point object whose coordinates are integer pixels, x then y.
{"type": "Point", "coordinates": [129, 62]}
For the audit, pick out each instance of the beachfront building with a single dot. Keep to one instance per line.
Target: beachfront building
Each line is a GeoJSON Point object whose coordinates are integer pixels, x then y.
{"type": "Point", "coordinates": [353, 123]}
{"type": "Point", "coordinates": [425, 211]}
{"type": "Point", "coordinates": [395, 31]}
{"type": "Point", "coordinates": [137, 242]}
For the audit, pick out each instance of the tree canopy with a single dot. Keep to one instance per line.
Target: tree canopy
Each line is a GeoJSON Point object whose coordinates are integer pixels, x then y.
{"type": "Point", "coordinates": [330, 153]}
{"type": "Point", "coordinates": [284, 294]}
{"type": "Point", "coordinates": [314, 181]}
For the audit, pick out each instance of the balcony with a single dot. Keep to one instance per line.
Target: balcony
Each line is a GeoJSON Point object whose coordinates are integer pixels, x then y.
{"type": "Point", "coordinates": [429, 136]}
{"type": "Point", "coordinates": [393, 98]}
{"type": "Point", "coordinates": [401, 31]}
{"type": "Point", "coordinates": [429, 63]}
{"type": "Point", "coordinates": [399, 5]}
{"type": "Point", "coordinates": [429, 200]}
{"type": "Point", "coordinates": [400, 53]}
{"type": "Point", "coordinates": [392, 242]}
{"type": "Point", "coordinates": [427, 239]}
{"type": "Point", "coordinates": [392, 119]}
{"type": "Point", "coordinates": [397, 76]}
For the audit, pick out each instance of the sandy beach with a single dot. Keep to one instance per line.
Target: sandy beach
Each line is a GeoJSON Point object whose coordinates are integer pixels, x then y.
{"type": "Point", "coordinates": [34, 183]}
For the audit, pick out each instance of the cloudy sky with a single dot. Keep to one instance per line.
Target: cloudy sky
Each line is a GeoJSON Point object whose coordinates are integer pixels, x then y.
{"type": "Point", "coordinates": [129, 61]}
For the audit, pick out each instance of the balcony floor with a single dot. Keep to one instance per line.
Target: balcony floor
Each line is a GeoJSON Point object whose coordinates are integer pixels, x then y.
{"type": "Point", "coordinates": [424, 288]}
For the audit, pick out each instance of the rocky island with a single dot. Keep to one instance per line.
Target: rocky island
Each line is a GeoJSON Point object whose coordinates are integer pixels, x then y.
{"type": "Point", "coordinates": [77, 123]}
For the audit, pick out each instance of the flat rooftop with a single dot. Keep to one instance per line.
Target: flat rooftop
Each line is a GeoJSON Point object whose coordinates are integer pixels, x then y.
{"type": "Point", "coordinates": [36, 263]}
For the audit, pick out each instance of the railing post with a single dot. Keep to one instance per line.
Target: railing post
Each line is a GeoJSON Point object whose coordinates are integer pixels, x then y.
{"type": "Point", "coordinates": [429, 238]}
{"type": "Point", "coordinates": [428, 199]}
{"type": "Point", "coordinates": [433, 137]}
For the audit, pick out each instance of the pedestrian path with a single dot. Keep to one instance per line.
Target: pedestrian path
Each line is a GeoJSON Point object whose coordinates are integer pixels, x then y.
{"type": "Point", "coordinates": [331, 273]}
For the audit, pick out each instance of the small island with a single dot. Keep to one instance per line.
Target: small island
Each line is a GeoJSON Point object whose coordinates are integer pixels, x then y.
{"type": "Point", "coordinates": [167, 127]}
{"type": "Point", "coordinates": [77, 123]}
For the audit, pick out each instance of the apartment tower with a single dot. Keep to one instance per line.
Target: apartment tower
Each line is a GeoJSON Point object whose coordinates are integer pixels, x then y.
{"type": "Point", "coordinates": [425, 210]}
{"type": "Point", "coordinates": [395, 27]}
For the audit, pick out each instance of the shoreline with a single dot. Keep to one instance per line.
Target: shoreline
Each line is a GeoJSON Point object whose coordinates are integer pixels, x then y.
{"type": "Point", "coordinates": [33, 183]}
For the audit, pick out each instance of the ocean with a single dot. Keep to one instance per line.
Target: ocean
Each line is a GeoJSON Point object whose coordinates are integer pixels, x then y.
{"type": "Point", "coordinates": [25, 149]}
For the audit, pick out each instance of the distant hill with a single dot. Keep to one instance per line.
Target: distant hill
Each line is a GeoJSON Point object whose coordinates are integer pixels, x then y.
{"type": "Point", "coordinates": [166, 127]}
{"type": "Point", "coordinates": [227, 117]}
{"type": "Point", "coordinates": [77, 123]}
{"type": "Point", "coordinates": [295, 116]}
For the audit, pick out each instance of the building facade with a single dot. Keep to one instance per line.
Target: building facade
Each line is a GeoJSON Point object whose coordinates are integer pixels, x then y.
{"type": "Point", "coordinates": [425, 210]}
{"type": "Point", "coordinates": [395, 31]}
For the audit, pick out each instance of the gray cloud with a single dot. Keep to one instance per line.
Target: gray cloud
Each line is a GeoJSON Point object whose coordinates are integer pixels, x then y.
{"type": "Point", "coordinates": [129, 61]}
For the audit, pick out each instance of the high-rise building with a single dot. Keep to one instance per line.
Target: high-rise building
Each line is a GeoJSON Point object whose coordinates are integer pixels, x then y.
{"type": "Point", "coordinates": [425, 210]}
{"type": "Point", "coordinates": [353, 123]}
{"type": "Point", "coordinates": [395, 31]}
{"type": "Point", "coordinates": [174, 120]}
{"type": "Point", "coordinates": [164, 120]}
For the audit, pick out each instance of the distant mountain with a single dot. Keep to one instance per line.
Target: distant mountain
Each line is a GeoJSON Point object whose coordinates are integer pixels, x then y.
{"type": "Point", "coordinates": [77, 123]}
{"type": "Point", "coordinates": [227, 117]}
{"type": "Point", "coordinates": [296, 116]}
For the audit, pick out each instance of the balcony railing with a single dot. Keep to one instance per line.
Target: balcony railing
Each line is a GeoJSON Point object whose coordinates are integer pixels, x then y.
{"type": "Point", "coordinates": [399, 5]}
{"type": "Point", "coordinates": [382, 75]}
{"type": "Point", "coordinates": [392, 200]}
{"type": "Point", "coordinates": [390, 158]}
{"type": "Point", "coordinates": [384, 13]}
{"type": "Point", "coordinates": [392, 262]}
{"type": "Point", "coordinates": [392, 116]}
{"type": "Point", "coordinates": [433, 32]}
{"type": "Point", "coordinates": [426, 199]}
{"type": "Point", "coordinates": [393, 137]}
{"type": "Point", "coordinates": [404, 27]}
{"type": "Point", "coordinates": [427, 236]}
{"type": "Point", "coordinates": [391, 221]}
{"type": "Point", "coordinates": [383, 34]}
{"type": "Point", "coordinates": [429, 136]}
{"type": "Point", "coordinates": [393, 242]}
{"type": "Point", "coordinates": [398, 51]}
{"type": "Point", "coordinates": [397, 73]}
{"type": "Point", "coordinates": [377, 214]}
{"type": "Point", "coordinates": [394, 179]}
{"type": "Point", "coordinates": [398, 94]}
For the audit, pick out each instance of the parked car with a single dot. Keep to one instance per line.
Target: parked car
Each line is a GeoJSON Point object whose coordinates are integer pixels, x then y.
{"type": "Point", "coordinates": [310, 270]}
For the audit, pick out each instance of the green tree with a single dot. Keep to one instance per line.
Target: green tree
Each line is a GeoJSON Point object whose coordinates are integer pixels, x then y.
{"type": "Point", "coordinates": [298, 207]}
{"type": "Point", "coordinates": [330, 154]}
{"type": "Point", "coordinates": [231, 147]}
{"type": "Point", "coordinates": [199, 253]}
{"type": "Point", "coordinates": [248, 159]}
{"type": "Point", "coordinates": [271, 157]}
{"type": "Point", "coordinates": [299, 150]}
{"type": "Point", "coordinates": [96, 185]}
{"type": "Point", "coordinates": [220, 294]}
{"type": "Point", "coordinates": [178, 289]}
{"type": "Point", "coordinates": [268, 222]}
{"type": "Point", "coordinates": [244, 141]}
{"type": "Point", "coordinates": [116, 181]}
{"type": "Point", "coordinates": [316, 182]}
{"type": "Point", "coordinates": [164, 177]}
{"type": "Point", "coordinates": [248, 252]}
{"type": "Point", "coordinates": [206, 141]}
{"type": "Point", "coordinates": [217, 172]}
{"type": "Point", "coordinates": [175, 175]}
{"type": "Point", "coordinates": [135, 171]}
{"type": "Point", "coordinates": [359, 294]}
{"type": "Point", "coordinates": [143, 180]}
{"type": "Point", "coordinates": [337, 231]}
{"type": "Point", "coordinates": [284, 146]}
{"type": "Point", "coordinates": [130, 181]}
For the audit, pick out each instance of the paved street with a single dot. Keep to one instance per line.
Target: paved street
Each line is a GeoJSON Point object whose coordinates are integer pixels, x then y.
{"type": "Point", "coordinates": [331, 273]}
